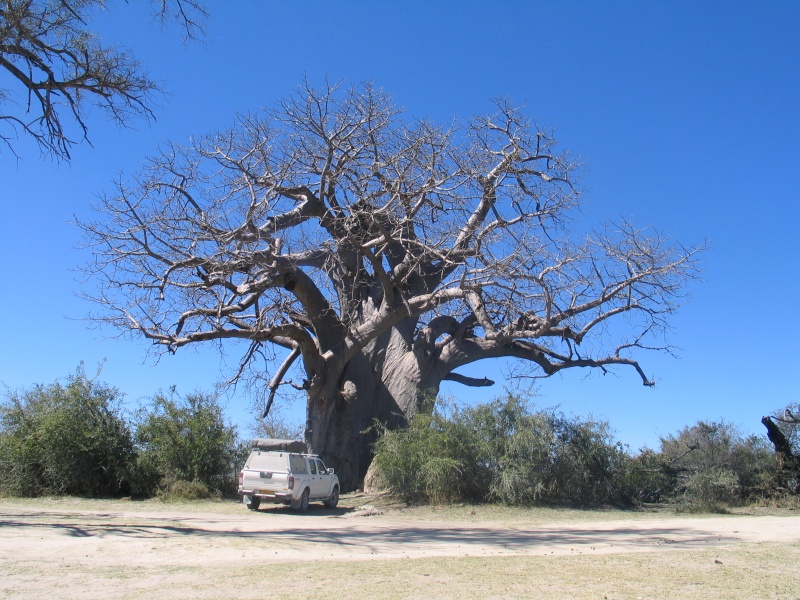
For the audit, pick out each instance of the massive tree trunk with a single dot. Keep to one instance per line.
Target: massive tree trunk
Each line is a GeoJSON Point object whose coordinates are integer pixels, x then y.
{"type": "Point", "coordinates": [381, 386]}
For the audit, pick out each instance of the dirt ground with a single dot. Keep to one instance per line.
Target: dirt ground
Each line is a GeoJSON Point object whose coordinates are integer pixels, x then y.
{"type": "Point", "coordinates": [119, 550]}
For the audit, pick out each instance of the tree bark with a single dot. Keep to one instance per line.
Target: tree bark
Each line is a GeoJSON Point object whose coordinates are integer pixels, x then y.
{"type": "Point", "coordinates": [384, 384]}
{"type": "Point", "coordinates": [780, 443]}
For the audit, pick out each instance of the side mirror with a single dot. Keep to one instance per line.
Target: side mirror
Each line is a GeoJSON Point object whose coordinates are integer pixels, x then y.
{"type": "Point", "coordinates": [330, 470]}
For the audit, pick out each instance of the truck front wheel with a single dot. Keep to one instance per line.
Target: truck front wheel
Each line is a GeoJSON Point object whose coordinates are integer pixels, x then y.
{"type": "Point", "coordinates": [333, 500]}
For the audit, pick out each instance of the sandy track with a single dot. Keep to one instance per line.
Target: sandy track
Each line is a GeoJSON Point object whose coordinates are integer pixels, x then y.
{"type": "Point", "coordinates": [140, 538]}
{"type": "Point", "coordinates": [96, 550]}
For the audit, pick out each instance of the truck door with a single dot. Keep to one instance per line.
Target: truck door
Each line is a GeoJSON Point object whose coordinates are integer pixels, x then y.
{"type": "Point", "coordinates": [319, 479]}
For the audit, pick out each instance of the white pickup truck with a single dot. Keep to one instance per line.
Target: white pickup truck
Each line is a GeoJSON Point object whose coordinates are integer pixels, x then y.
{"type": "Point", "coordinates": [289, 478]}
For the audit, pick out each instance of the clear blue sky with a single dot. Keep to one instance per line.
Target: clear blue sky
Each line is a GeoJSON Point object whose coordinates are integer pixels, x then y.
{"type": "Point", "coordinates": [685, 114]}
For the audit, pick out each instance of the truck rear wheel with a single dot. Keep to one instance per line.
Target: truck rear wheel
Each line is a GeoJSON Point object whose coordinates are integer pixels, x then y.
{"type": "Point", "coordinates": [303, 505]}
{"type": "Point", "coordinates": [251, 502]}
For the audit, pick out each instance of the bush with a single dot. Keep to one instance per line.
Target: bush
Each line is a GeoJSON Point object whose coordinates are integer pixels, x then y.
{"type": "Point", "coordinates": [185, 490]}
{"type": "Point", "coordinates": [649, 478]}
{"type": "Point", "coordinates": [715, 451]}
{"type": "Point", "coordinates": [65, 439]}
{"type": "Point", "coordinates": [71, 439]}
{"type": "Point", "coordinates": [502, 451]}
{"type": "Point", "coordinates": [186, 440]}
{"type": "Point", "coordinates": [589, 462]}
{"type": "Point", "coordinates": [712, 489]}
{"type": "Point", "coordinates": [431, 460]}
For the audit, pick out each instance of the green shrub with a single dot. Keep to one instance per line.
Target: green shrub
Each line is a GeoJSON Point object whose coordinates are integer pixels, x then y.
{"type": "Point", "coordinates": [171, 491]}
{"type": "Point", "coordinates": [712, 489]}
{"type": "Point", "coordinates": [589, 462]}
{"type": "Point", "coordinates": [524, 471]}
{"type": "Point", "coordinates": [710, 451]}
{"type": "Point", "coordinates": [502, 451]}
{"type": "Point", "coordinates": [186, 439]}
{"type": "Point", "coordinates": [65, 439]}
{"type": "Point", "coordinates": [442, 477]}
{"type": "Point", "coordinates": [648, 478]}
{"type": "Point", "coordinates": [431, 460]}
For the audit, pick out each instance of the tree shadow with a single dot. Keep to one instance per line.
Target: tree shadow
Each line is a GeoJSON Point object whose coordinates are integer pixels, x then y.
{"type": "Point", "coordinates": [366, 536]}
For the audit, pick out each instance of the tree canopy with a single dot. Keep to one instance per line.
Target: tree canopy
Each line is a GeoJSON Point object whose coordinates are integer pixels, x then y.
{"type": "Point", "coordinates": [383, 252]}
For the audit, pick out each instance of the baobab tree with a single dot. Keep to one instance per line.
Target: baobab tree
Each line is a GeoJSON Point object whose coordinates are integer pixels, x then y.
{"type": "Point", "coordinates": [381, 253]}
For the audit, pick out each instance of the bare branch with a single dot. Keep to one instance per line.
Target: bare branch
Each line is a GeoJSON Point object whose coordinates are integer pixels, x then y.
{"type": "Point", "coordinates": [469, 381]}
{"type": "Point", "coordinates": [278, 378]}
{"type": "Point", "coordinates": [335, 227]}
{"type": "Point", "coordinates": [59, 67]}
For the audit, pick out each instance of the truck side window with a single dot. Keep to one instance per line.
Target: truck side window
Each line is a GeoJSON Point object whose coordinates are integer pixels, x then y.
{"type": "Point", "coordinates": [321, 467]}
{"type": "Point", "coordinates": [313, 465]}
{"type": "Point", "coordinates": [298, 464]}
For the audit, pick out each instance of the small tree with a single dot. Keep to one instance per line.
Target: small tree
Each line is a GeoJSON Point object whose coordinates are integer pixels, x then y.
{"type": "Point", "coordinates": [276, 426]}
{"type": "Point", "coordinates": [437, 458]}
{"type": "Point", "coordinates": [711, 489]}
{"type": "Point", "coordinates": [185, 439]}
{"type": "Point", "coordinates": [649, 477]}
{"type": "Point", "coordinates": [65, 439]}
{"type": "Point", "coordinates": [548, 457]}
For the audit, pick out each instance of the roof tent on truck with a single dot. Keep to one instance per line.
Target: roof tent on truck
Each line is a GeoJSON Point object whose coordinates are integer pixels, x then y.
{"type": "Point", "coordinates": [275, 445]}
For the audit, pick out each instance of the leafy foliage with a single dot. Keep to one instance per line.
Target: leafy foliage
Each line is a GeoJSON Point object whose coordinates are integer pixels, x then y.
{"type": "Point", "coordinates": [648, 477]}
{"type": "Point", "coordinates": [186, 439]}
{"type": "Point", "coordinates": [435, 459]}
{"type": "Point", "coordinates": [715, 464]}
{"type": "Point", "coordinates": [712, 489]}
{"type": "Point", "coordinates": [502, 451]}
{"type": "Point", "coordinates": [65, 439]}
{"type": "Point", "coordinates": [72, 439]}
{"type": "Point", "coordinates": [185, 490]}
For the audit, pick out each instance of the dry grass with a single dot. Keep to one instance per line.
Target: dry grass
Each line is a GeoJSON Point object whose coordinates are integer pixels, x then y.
{"type": "Point", "coordinates": [520, 515]}
{"type": "Point", "coordinates": [225, 506]}
{"type": "Point", "coordinates": [746, 571]}
{"type": "Point", "coordinates": [398, 510]}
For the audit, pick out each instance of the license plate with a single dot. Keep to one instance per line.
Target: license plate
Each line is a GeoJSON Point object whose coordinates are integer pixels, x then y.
{"type": "Point", "coordinates": [268, 492]}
